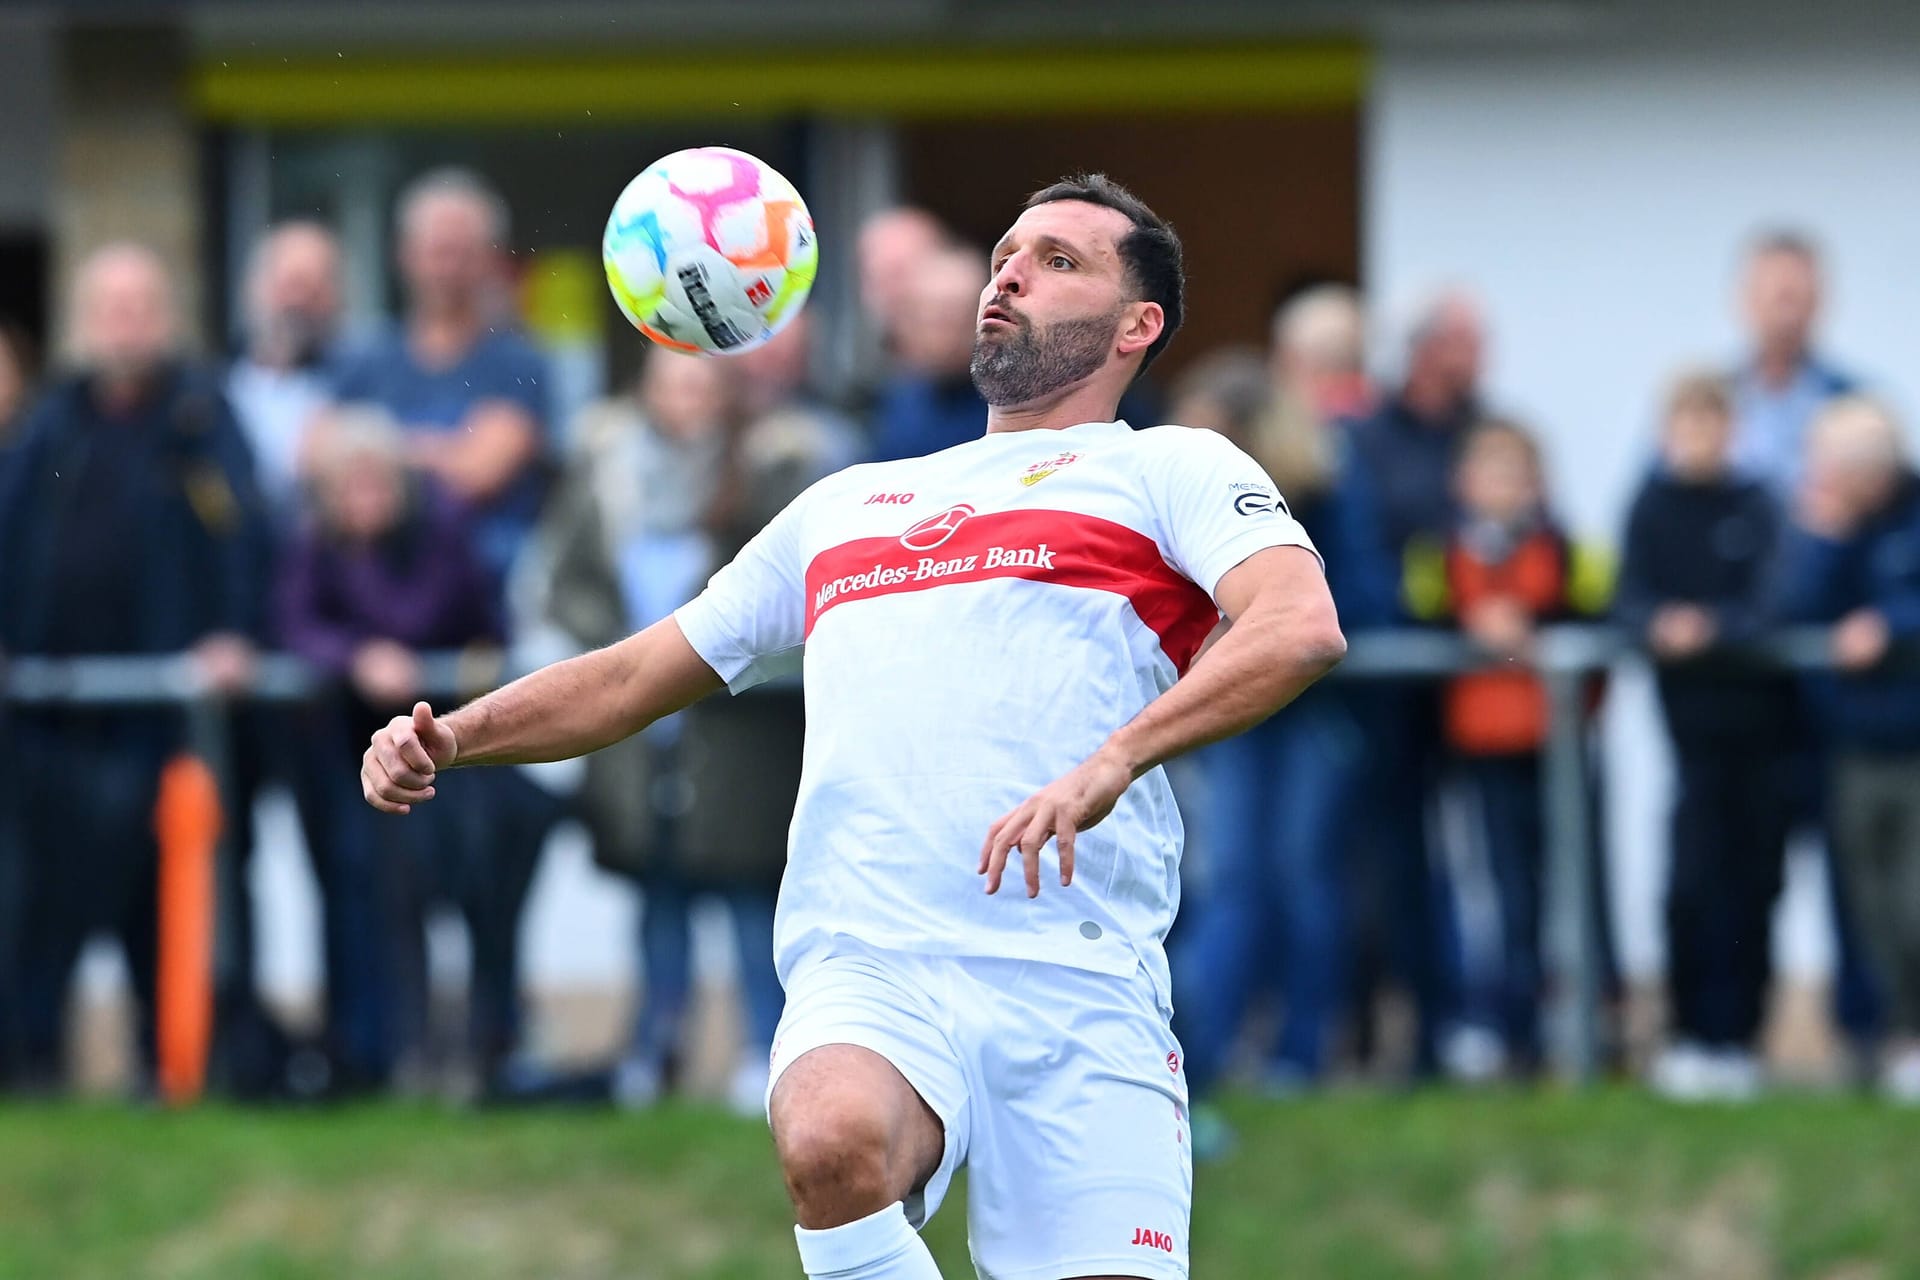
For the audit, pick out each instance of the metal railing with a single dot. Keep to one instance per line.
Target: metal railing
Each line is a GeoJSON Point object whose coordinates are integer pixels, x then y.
{"type": "Point", "coordinates": [1564, 657]}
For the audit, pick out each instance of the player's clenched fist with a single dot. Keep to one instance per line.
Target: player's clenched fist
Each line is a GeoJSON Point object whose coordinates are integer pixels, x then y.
{"type": "Point", "coordinates": [400, 765]}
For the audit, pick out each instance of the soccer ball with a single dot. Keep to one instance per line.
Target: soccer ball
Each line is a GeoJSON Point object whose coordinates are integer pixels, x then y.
{"type": "Point", "coordinates": [710, 251]}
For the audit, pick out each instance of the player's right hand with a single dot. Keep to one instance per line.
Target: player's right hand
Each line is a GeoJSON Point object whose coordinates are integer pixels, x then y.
{"type": "Point", "coordinates": [399, 768]}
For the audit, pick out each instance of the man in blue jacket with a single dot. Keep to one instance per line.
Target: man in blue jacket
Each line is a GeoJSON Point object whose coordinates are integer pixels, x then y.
{"type": "Point", "coordinates": [129, 524]}
{"type": "Point", "coordinates": [1854, 561]}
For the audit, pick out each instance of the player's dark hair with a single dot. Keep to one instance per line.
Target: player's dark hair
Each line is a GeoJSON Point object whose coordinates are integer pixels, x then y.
{"type": "Point", "coordinates": [1151, 250]}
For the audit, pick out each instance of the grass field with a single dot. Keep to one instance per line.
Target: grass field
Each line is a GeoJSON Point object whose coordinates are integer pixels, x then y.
{"type": "Point", "coordinates": [1606, 1185]}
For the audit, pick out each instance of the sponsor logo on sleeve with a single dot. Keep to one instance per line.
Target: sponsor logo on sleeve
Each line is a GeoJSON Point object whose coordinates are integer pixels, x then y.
{"type": "Point", "coordinates": [1256, 499]}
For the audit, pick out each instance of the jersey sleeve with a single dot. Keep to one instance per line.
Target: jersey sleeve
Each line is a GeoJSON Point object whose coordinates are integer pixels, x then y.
{"type": "Point", "coordinates": [1216, 506]}
{"type": "Point", "coordinates": [749, 624]}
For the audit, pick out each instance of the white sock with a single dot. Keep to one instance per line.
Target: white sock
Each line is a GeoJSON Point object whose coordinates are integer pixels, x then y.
{"type": "Point", "coordinates": [880, 1246]}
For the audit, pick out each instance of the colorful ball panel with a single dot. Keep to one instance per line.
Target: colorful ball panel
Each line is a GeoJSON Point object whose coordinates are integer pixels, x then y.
{"type": "Point", "coordinates": [710, 251]}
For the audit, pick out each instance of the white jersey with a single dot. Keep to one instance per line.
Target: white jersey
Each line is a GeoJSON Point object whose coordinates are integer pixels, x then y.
{"type": "Point", "coordinates": [975, 623]}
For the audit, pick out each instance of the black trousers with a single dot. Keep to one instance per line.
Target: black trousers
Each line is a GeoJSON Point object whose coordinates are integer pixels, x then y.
{"type": "Point", "coordinates": [475, 847]}
{"type": "Point", "coordinates": [1506, 790]}
{"type": "Point", "coordinates": [1731, 819]}
{"type": "Point", "coordinates": [1403, 895]}
{"type": "Point", "coordinates": [87, 862]}
{"type": "Point", "coordinates": [13, 915]}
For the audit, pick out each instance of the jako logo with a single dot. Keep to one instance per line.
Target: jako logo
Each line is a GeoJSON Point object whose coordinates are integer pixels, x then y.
{"type": "Point", "coordinates": [1148, 1238]}
{"type": "Point", "coordinates": [895, 499]}
{"type": "Point", "coordinates": [934, 530]}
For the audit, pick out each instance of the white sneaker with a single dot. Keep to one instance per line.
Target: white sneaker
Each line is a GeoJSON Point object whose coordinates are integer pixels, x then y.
{"type": "Point", "coordinates": [1682, 1072]}
{"type": "Point", "coordinates": [747, 1093]}
{"type": "Point", "coordinates": [1473, 1055]}
{"type": "Point", "coordinates": [1734, 1075]}
{"type": "Point", "coordinates": [1900, 1078]}
{"type": "Point", "coordinates": [637, 1084]}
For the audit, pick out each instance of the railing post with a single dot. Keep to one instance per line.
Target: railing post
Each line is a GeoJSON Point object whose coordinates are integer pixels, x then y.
{"type": "Point", "coordinates": [208, 725]}
{"type": "Point", "coordinates": [1573, 941]}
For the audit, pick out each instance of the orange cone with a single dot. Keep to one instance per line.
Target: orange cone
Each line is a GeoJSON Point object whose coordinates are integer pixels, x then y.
{"type": "Point", "coordinates": [187, 821]}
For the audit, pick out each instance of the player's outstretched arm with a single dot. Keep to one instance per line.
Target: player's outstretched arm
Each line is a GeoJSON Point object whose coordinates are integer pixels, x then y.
{"type": "Point", "coordinates": [568, 709]}
{"type": "Point", "coordinates": [1283, 635]}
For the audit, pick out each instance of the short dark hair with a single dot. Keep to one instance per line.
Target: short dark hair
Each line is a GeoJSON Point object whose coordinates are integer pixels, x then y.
{"type": "Point", "coordinates": [1699, 389]}
{"type": "Point", "coordinates": [1151, 250]}
{"type": "Point", "coordinates": [1788, 242]}
{"type": "Point", "coordinates": [1508, 430]}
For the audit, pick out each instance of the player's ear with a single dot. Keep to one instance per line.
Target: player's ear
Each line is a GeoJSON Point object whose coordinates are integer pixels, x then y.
{"type": "Point", "coordinates": [1140, 327]}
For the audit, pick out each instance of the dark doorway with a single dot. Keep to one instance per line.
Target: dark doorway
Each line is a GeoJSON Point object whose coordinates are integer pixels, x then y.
{"type": "Point", "coordinates": [1264, 202]}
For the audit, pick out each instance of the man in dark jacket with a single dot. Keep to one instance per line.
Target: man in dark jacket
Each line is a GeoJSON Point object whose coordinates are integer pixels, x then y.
{"type": "Point", "coordinates": [1405, 450]}
{"type": "Point", "coordinates": [929, 403]}
{"type": "Point", "coordinates": [1854, 561]}
{"type": "Point", "coordinates": [1700, 550]}
{"type": "Point", "coordinates": [129, 524]}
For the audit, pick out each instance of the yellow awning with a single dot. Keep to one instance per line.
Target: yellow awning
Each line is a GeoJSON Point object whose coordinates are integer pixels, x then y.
{"type": "Point", "coordinates": [369, 90]}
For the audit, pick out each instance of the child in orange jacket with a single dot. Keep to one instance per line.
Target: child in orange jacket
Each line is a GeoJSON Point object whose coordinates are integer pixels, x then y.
{"type": "Point", "coordinates": [1508, 569]}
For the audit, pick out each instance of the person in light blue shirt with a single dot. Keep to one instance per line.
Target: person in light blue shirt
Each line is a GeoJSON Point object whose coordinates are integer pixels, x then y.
{"type": "Point", "coordinates": [471, 396]}
{"type": "Point", "coordinates": [470, 392]}
{"type": "Point", "coordinates": [1778, 391]}
{"type": "Point", "coordinates": [1783, 382]}
{"type": "Point", "coordinates": [284, 378]}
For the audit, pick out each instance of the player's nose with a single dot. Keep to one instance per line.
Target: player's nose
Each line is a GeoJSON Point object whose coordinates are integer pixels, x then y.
{"type": "Point", "coordinates": [1009, 278]}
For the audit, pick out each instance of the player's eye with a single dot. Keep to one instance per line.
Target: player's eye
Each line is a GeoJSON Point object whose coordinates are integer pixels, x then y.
{"type": "Point", "coordinates": [1059, 260]}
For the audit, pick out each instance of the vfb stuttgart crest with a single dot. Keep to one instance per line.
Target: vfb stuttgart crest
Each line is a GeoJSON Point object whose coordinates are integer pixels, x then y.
{"type": "Point", "coordinates": [1041, 470]}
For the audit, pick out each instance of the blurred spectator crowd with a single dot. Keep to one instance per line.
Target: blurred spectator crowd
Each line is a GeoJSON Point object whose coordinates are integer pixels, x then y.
{"type": "Point", "coordinates": [365, 501]}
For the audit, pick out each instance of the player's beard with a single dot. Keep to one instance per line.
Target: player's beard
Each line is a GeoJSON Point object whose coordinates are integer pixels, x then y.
{"type": "Point", "coordinates": [1033, 362]}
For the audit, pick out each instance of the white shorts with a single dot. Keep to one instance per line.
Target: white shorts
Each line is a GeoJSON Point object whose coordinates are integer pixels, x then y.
{"type": "Point", "coordinates": [1061, 1090]}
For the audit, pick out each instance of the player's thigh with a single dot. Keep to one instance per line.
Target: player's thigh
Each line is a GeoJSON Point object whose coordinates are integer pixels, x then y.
{"type": "Point", "coordinates": [1080, 1158]}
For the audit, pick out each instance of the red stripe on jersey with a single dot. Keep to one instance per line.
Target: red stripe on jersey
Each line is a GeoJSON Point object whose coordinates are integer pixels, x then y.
{"type": "Point", "coordinates": [1064, 547]}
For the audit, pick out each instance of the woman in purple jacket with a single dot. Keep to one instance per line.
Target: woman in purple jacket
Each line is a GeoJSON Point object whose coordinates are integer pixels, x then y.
{"type": "Point", "coordinates": [386, 571]}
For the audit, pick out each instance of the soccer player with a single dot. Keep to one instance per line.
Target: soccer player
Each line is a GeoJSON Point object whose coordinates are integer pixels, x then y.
{"type": "Point", "coordinates": [1003, 642]}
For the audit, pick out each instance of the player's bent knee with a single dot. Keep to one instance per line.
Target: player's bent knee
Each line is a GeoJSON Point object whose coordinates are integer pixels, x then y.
{"type": "Point", "coordinates": [852, 1135]}
{"type": "Point", "coordinates": [837, 1162]}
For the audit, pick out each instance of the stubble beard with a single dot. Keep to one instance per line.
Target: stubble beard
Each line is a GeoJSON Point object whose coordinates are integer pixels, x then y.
{"type": "Point", "coordinates": [1032, 363]}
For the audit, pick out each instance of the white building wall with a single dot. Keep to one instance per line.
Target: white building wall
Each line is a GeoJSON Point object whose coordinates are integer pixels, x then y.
{"type": "Point", "coordinates": [1597, 201]}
